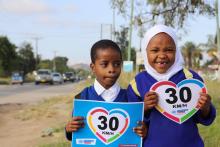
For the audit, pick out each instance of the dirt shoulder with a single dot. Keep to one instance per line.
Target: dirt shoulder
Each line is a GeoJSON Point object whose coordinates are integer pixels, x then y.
{"type": "Point", "coordinates": [33, 124]}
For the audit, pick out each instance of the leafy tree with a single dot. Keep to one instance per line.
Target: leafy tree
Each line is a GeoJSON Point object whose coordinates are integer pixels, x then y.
{"type": "Point", "coordinates": [45, 64]}
{"type": "Point", "coordinates": [7, 56]}
{"type": "Point", "coordinates": [122, 41]}
{"type": "Point", "coordinates": [26, 58]}
{"type": "Point", "coordinates": [61, 64]}
{"type": "Point", "coordinates": [171, 12]}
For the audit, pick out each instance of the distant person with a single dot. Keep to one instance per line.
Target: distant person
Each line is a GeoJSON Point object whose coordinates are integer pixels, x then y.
{"type": "Point", "coordinates": [164, 62]}
{"type": "Point", "coordinates": [106, 63]}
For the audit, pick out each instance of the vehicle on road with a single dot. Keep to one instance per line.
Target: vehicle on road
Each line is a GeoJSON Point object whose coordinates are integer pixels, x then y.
{"type": "Point", "coordinates": [57, 78]}
{"type": "Point", "coordinates": [69, 76]}
{"type": "Point", "coordinates": [17, 78]}
{"type": "Point", "coordinates": [44, 76]}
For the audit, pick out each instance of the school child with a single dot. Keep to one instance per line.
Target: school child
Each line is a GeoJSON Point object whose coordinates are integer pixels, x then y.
{"type": "Point", "coordinates": [163, 61]}
{"type": "Point", "coordinates": [106, 62]}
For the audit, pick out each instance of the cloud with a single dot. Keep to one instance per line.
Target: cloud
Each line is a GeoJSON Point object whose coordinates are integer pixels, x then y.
{"type": "Point", "coordinates": [23, 6]}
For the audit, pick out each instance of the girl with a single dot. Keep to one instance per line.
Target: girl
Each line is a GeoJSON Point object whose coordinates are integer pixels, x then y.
{"type": "Point", "coordinates": [163, 61]}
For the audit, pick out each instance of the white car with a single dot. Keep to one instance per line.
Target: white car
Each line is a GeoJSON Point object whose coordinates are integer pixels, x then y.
{"type": "Point", "coordinates": [43, 76]}
{"type": "Point", "coordinates": [57, 78]}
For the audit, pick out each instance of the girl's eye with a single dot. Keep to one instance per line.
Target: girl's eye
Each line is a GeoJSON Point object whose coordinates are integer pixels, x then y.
{"type": "Point", "coordinates": [170, 50]}
{"type": "Point", "coordinates": [154, 50]}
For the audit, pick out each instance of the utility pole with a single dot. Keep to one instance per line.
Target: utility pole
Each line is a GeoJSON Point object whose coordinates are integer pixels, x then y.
{"type": "Point", "coordinates": [103, 27]}
{"type": "Point", "coordinates": [217, 28]}
{"type": "Point", "coordinates": [130, 30]}
{"type": "Point", "coordinates": [113, 25]}
{"type": "Point", "coordinates": [36, 39]}
{"type": "Point", "coordinates": [101, 32]}
{"type": "Point", "coordinates": [54, 62]}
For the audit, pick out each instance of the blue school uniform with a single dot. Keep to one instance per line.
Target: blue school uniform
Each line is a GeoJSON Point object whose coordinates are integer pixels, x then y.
{"type": "Point", "coordinates": [162, 131]}
{"type": "Point", "coordinates": [89, 93]}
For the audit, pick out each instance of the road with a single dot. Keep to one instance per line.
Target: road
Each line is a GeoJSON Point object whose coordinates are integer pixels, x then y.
{"type": "Point", "coordinates": [31, 93]}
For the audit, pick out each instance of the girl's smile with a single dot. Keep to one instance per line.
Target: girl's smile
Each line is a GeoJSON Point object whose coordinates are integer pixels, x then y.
{"type": "Point", "coordinates": [161, 52]}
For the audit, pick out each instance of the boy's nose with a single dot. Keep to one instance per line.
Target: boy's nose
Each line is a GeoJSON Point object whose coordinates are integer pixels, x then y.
{"type": "Point", "coordinates": [111, 69]}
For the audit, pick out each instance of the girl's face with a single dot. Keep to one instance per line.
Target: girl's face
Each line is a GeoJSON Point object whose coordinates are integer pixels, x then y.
{"type": "Point", "coordinates": [161, 51]}
{"type": "Point", "coordinates": [107, 67]}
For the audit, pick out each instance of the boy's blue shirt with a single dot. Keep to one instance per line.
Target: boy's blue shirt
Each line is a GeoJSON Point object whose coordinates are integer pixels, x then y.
{"type": "Point", "coordinates": [89, 93]}
{"type": "Point", "coordinates": [162, 131]}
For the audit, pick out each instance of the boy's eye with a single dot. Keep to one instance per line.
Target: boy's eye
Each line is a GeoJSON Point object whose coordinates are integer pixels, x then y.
{"type": "Point", "coordinates": [104, 64]}
{"type": "Point", "coordinates": [117, 64]}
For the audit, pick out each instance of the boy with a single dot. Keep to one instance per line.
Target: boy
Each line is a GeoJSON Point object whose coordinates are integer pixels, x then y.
{"type": "Point", "coordinates": [106, 64]}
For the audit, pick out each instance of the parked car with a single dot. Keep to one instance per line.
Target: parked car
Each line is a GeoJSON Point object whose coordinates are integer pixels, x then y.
{"type": "Point", "coordinates": [57, 78]}
{"type": "Point", "coordinates": [17, 78]}
{"type": "Point", "coordinates": [44, 76]}
{"type": "Point", "coordinates": [69, 76]}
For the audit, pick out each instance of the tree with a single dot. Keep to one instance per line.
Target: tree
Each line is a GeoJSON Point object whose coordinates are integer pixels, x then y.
{"type": "Point", "coordinates": [26, 58]}
{"type": "Point", "coordinates": [7, 56]}
{"type": "Point", "coordinates": [171, 12]}
{"type": "Point", "coordinates": [192, 55]}
{"type": "Point", "coordinates": [122, 41]}
{"type": "Point", "coordinates": [61, 64]}
{"type": "Point", "coordinates": [45, 64]}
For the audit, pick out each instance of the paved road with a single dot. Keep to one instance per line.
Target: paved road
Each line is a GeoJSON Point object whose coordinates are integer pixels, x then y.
{"type": "Point", "coordinates": [30, 93]}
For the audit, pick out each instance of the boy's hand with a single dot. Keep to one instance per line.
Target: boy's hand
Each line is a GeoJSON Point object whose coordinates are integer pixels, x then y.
{"type": "Point", "coordinates": [204, 103]}
{"type": "Point", "coordinates": [141, 129]}
{"type": "Point", "coordinates": [75, 124]}
{"type": "Point", "coordinates": [150, 100]}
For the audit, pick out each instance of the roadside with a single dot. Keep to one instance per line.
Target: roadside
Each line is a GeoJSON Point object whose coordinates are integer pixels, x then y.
{"type": "Point", "coordinates": [36, 123]}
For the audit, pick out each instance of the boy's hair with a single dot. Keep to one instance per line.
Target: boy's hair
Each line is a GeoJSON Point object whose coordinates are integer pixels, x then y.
{"type": "Point", "coordinates": [102, 45]}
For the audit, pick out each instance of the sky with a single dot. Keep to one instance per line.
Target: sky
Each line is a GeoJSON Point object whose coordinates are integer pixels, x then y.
{"type": "Point", "coordinates": [70, 27]}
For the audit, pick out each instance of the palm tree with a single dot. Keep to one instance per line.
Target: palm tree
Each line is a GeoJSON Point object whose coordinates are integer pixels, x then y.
{"type": "Point", "coordinates": [188, 50]}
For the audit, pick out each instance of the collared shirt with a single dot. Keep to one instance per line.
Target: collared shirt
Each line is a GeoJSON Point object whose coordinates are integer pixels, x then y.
{"type": "Point", "coordinates": [109, 95]}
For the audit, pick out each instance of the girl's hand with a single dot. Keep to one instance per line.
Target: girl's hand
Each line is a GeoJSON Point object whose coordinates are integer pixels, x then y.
{"type": "Point", "coordinates": [204, 104]}
{"type": "Point", "coordinates": [75, 124]}
{"type": "Point", "coordinates": [150, 100]}
{"type": "Point", "coordinates": [141, 129]}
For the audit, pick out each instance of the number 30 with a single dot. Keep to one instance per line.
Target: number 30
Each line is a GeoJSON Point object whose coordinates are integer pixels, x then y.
{"type": "Point", "coordinates": [113, 123]}
{"type": "Point", "coordinates": [174, 99]}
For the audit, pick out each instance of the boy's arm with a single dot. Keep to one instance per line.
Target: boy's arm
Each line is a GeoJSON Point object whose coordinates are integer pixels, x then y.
{"type": "Point", "coordinates": [68, 135]}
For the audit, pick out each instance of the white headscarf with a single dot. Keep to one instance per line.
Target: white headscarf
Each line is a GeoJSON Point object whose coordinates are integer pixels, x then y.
{"type": "Point", "coordinates": [178, 64]}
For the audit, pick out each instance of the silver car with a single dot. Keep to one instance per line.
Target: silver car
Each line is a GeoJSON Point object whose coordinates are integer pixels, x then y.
{"type": "Point", "coordinates": [57, 78]}
{"type": "Point", "coordinates": [44, 76]}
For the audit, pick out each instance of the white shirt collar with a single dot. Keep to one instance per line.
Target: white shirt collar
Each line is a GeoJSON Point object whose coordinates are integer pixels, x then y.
{"type": "Point", "coordinates": [108, 95]}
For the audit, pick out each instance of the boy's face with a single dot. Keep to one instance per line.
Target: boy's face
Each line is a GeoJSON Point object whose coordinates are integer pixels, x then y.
{"type": "Point", "coordinates": [107, 67]}
{"type": "Point", "coordinates": [161, 52]}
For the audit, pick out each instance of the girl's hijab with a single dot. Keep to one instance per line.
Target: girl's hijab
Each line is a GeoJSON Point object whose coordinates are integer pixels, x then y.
{"type": "Point", "coordinates": [178, 64]}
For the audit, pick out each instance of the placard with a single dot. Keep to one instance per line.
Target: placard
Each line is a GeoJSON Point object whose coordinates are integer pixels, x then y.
{"type": "Point", "coordinates": [107, 124]}
{"type": "Point", "coordinates": [178, 102]}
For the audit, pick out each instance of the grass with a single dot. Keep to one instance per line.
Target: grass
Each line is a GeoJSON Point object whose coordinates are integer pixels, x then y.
{"type": "Point", "coordinates": [62, 143]}
{"type": "Point", "coordinates": [5, 81]}
{"type": "Point", "coordinates": [43, 109]}
{"type": "Point", "coordinates": [211, 134]}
